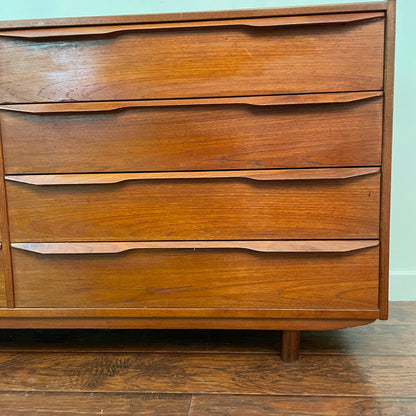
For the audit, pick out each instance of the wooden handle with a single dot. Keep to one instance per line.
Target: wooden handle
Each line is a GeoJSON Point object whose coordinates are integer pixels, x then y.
{"type": "Point", "coordinates": [312, 246]}
{"type": "Point", "coordinates": [324, 19]}
{"type": "Point", "coordinates": [260, 175]}
{"type": "Point", "coordinates": [271, 100]}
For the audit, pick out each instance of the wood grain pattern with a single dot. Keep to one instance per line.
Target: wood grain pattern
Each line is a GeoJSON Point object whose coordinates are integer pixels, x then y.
{"type": "Point", "coordinates": [198, 278]}
{"type": "Point", "coordinates": [33, 318]}
{"type": "Point", "coordinates": [285, 246]}
{"type": "Point", "coordinates": [174, 17]}
{"type": "Point", "coordinates": [200, 209]}
{"type": "Point", "coordinates": [237, 405]}
{"type": "Point", "coordinates": [6, 278]}
{"type": "Point", "coordinates": [168, 404]}
{"type": "Point", "coordinates": [255, 100]}
{"type": "Point", "coordinates": [3, 302]}
{"type": "Point", "coordinates": [258, 175]}
{"type": "Point", "coordinates": [40, 359]}
{"type": "Point", "coordinates": [266, 126]}
{"type": "Point", "coordinates": [216, 136]}
{"type": "Point", "coordinates": [193, 373]}
{"type": "Point", "coordinates": [255, 61]}
{"type": "Point", "coordinates": [290, 346]}
{"type": "Point", "coordinates": [242, 318]}
{"type": "Point", "coordinates": [252, 22]}
{"type": "Point", "coordinates": [386, 159]}
{"type": "Point", "coordinates": [402, 313]}
{"type": "Point", "coordinates": [93, 404]}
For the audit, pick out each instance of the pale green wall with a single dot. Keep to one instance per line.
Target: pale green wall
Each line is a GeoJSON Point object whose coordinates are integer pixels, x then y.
{"type": "Point", "coordinates": [403, 220]}
{"type": "Point", "coordinates": [403, 225]}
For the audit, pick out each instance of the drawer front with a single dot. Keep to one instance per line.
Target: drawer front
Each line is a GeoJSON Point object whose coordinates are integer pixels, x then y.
{"type": "Point", "coordinates": [202, 278]}
{"type": "Point", "coordinates": [193, 137]}
{"type": "Point", "coordinates": [2, 282]}
{"type": "Point", "coordinates": [221, 60]}
{"type": "Point", "coordinates": [196, 209]}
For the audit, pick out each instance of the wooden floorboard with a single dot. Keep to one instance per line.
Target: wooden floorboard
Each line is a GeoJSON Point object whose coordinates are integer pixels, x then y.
{"type": "Point", "coordinates": [368, 371]}
{"type": "Point", "coordinates": [364, 340]}
{"type": "Point", "coordinates": [93, 404]}
{"type": "Point", "coordinates": [199, 373]}
{"type": "Point", "coordinates": [240, 405]}
{"type": "Point", "coordinates": [122, 404]}
{"type": "Point", "coordinates": [402, 313]}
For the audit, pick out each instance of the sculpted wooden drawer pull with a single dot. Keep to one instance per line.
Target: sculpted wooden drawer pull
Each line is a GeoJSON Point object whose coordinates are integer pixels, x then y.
{"type": "Point", "coordinates": [261, 175]}
{"type": "Point", "coordinates": [300, 54]}
{"type": "Point", "coordinates": [254, 22]}
{"type": "Point", "coordinates": [295, 99]}
{"type": "Point", "coordinates": [323, 246]}
{"type": "Point", "coordinates": [292, 204]}
{"type": "Point", "coordinates": [210, 277]}
{"type": "Point", "coordinates": [297, 131]}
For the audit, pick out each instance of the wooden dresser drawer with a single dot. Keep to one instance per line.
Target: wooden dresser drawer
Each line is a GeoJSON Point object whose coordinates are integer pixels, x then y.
{"type": "Point", "coordinates": [311, 130]}
{"type": "Point", "coordinates": [202, 278]}
{"type": "Point", "coordinates": [280, 204]}
{"type": "Point", "coordinates": [257, 56]}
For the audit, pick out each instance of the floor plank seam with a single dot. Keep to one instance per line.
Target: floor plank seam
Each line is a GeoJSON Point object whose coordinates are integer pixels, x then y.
{"type": "Point", "coordinates": [191, 405]}
{"type": "Point", "coordinates": [152, 395]}
{"type": "Point", "coordinates": [144, 395]}
{"type": "Point", "coordinates": [332, 354]}
{"type": "Point", "coordinates": [271, 354]}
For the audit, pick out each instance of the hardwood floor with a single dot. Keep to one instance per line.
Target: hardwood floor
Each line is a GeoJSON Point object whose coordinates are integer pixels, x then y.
{"type": "Point", "coordinates": [369, 371]}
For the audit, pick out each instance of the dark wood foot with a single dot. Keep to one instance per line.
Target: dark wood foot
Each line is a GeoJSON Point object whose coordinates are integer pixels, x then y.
{"type": "Point", "coordinates": [290, 345]}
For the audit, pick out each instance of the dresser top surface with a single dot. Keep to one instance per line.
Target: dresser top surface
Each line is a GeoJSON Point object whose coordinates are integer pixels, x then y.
{"type": "Point", "coordinates": [189, 16]}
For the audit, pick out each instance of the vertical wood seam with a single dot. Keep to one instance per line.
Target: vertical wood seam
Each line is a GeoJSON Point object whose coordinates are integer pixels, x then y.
{"type": "Point", "coordinates": [191, 405]}
{"type": "Point", "coordinates": [386, 157]}
{"type": "Point", "coordinates": [5, 235]}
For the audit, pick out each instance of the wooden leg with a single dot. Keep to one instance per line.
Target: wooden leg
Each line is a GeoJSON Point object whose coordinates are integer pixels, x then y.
{"type": "Point", "coordinates": [290, 345]}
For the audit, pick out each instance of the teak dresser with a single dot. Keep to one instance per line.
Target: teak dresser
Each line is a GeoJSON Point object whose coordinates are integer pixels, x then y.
{"type": "Point", "coordinates": [224, 170]}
